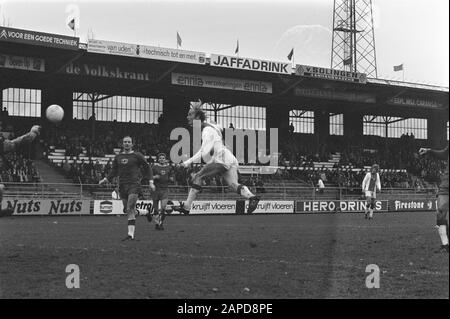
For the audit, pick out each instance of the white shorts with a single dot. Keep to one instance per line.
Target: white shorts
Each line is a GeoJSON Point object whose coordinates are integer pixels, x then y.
{"type": "Point", "coordinates": [371, 194]}
{"type": "Point", "coordinates": [226, 158]}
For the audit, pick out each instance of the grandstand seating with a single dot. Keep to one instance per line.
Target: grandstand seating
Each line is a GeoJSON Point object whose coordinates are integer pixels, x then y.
{"type": "Point", "coordinates": [341, 165]}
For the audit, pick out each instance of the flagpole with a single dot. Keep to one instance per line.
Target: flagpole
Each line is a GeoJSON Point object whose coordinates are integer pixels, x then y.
{"type": "Point", "coordinates": [403, 72]}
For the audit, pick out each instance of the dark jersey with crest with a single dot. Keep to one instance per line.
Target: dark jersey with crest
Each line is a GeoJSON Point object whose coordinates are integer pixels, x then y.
{"type": "Point", "coordinates": [128, 166]}
{"type": "Point", "coordinates": [164, 172]}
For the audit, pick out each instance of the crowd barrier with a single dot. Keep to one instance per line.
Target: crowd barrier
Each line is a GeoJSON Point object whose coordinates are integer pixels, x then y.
{"type": "Point", "coordinates": [32, 206]}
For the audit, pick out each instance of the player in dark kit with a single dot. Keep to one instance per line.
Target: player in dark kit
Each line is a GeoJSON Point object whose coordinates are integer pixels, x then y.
{"type": "Point", "coordinates": [9, 146]}
{"type": "Point", "coordinates": [127, 166]}
{"type": "Point", "coordinates": [162, 174]}
{"type": "Point", "coordinates": [442, 195]}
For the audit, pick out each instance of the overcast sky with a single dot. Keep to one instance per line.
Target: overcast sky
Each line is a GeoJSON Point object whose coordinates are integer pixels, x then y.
{"type": "Point", "coordinates": [413, 32]}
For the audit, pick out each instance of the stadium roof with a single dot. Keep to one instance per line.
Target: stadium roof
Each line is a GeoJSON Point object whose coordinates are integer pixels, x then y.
{"type": "Point", "coordinates": [408, 84]}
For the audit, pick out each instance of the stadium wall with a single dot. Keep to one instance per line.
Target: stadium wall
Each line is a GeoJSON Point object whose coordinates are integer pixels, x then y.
{"type": "Point", "coordinates": [65, 207]}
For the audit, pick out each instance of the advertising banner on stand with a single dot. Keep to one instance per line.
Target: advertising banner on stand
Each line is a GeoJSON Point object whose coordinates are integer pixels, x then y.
{"type": "Point", "coordinates": [338, 206]}
{"type": "Point", "coordinates": [22, 63]}
{"type": "Point", "coordinates": [234, 62]}
{"type": "Point", "coordinates": [26, 207]}
{"type": "Point", "coordinates": [273, 207]}
{"type": "Point", "coordinates": [330, 74]}
{"type": "Point", "coordinates": [38, 38]}
{"type": "Point", "coordinates": [115, 207]}
{"type": "Point", "coordinates": [412, 205]}
{"type": "Point", "coordinates": [145, 51]}
{"type": "Point", "coordinates": [215, 82]}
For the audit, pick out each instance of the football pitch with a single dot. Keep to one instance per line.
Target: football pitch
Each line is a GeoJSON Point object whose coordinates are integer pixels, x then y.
{"type": "Point", "coordinates": [258, 256]}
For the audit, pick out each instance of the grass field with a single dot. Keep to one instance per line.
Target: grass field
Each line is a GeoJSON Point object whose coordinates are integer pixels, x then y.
{"type": "Point", "coordinates": [259, 256]}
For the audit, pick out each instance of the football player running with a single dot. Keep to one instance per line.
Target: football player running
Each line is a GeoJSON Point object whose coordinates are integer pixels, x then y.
{"type": "Point", "coordinates": [222, 162]}
{"type": "Point", "coordinates": [127, 166]}
{"type": "Point", "coordinates": [162, 175]}
{"type": "Point", "coordinates": [370, 185]}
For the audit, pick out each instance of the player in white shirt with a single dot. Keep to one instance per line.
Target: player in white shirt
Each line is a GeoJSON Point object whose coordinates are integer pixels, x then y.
{"type": "Point", "coordinates": [219, 161]}
{"type": "Point", "coordinates": [370, 185]}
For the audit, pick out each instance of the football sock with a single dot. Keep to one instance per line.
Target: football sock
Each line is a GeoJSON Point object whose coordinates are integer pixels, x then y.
{"type": "Point", "coordinates": [131, 227]}
{"type": "Point", "coordinates": [162, 215]}
{"type": "Point", "coordinates": [246, 192]}
{"type": "Point", "coordinates": [371, 213]}
{"type": "Point", "coordinates": [191, 197]}
{"type": "Point", "coordinates": [443, 234]}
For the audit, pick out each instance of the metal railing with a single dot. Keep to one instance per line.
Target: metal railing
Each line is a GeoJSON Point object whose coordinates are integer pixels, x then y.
{"type": "Point", "coordinates": [281, 191]}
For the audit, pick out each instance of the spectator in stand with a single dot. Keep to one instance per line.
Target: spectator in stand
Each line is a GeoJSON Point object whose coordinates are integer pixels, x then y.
{"type": "Point", "coordinates": [320, 186]}
{"type": "Point", "coordinates": [291, 129]}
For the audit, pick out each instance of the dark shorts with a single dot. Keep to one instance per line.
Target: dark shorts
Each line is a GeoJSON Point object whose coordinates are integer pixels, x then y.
{"type": "Point", "coordinates": [127, 189]}
{"type": "Point", "coordinates": [160, 194]}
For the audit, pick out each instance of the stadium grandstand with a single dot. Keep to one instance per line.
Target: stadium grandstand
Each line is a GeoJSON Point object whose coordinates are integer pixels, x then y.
{"type": "Point", "coordinates": [329, 127]}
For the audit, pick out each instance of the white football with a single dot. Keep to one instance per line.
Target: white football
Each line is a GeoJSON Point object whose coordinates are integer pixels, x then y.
{"type": "Point", "coordinates": [54, 113]}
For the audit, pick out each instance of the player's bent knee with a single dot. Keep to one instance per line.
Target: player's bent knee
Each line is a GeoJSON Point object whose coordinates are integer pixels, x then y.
{"type": "Point", "coordinates": [131, 212]}
{"type": "Point", "coordinates": [197, 180]}
{"type": "Point", "coordinates": [197, 187]}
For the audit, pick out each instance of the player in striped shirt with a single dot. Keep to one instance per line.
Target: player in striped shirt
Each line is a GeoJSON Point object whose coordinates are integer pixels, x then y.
{"type": "Point", "coordinates": [370, 185]}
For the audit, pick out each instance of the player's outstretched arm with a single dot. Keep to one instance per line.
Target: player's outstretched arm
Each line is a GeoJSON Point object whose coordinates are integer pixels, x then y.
{"type": "Point", "coordinates": [103, 181]}
{"type": "Point", "coordinates": [440, 154]}
{"type": "Point", "coordinates": [205, 149]}
{"type": "Point", "coordinates": [11, 145]}
{"type": "Point", "coordinates": [151, 184]}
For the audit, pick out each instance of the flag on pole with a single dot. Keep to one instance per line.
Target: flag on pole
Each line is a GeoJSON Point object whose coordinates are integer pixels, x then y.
{"type": "Point", "coordinates": [291, 54]}
{"type": "Point", "coordinates": [398, 67]}
{"type": "Point", "coordinates": [237, 47]}
{"type": "Point", "coordinates": [178, 39]}
{"type": "Point", "coordinates": [71, 24]}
